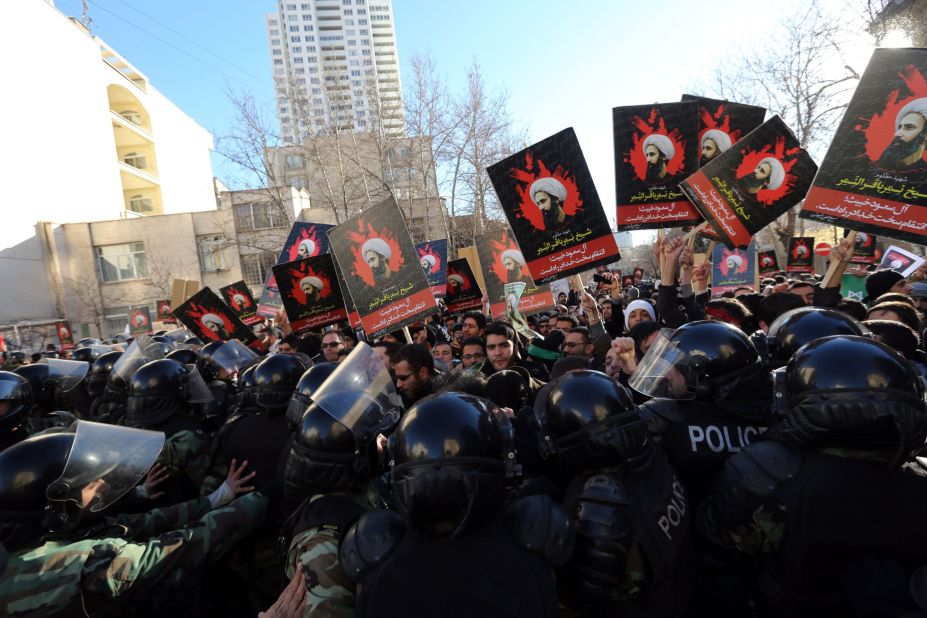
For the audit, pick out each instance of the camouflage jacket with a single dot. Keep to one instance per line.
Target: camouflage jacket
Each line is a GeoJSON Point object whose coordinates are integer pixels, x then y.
{"type": "Point", "coordinates": [188, 453]}
{"type": "Point", "coordinates": [329, 591]}
{"type": "Point", "coordinates": [105, 576]}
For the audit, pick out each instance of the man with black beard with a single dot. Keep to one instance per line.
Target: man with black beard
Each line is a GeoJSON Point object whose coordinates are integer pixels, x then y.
{"type": "Point", "coordinates": [659, 150]}
{"type": "Point", "coordinates": [768, 174]}
{"type": "Point", "coordinates": [906, 151]}
{"type": "Point", "coordinates": [548, 194]}
{"type": "Point", "coordinates": [377, 253]}
{"type": "Point", "coordinates": [514, 261]}
{"type": "Point", "coordinates": [714, 142]}
{"type": "Point", "coordinates": [312, 288]}
{"type": "Point", "coordinates": [216, 324]}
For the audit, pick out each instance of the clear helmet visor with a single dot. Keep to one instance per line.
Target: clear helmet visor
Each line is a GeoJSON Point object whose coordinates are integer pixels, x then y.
{"type": "Point", "coordinates": [665, 370]}
{"type": "Point", "coordinates": [195, 389]}
{"type": "Point", "coordinates": [362, 371]}
{"type": "Point", "coordinates": [66, 374]}
{"type": "Point", "coordinates": [143, 349]}
{"type": "Point", "coordinates": [105, 462]}
{"type": "Point", "coordinates": [233, 356]}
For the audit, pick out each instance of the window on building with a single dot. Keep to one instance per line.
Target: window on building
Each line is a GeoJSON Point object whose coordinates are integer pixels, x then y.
{"type": "Point", "coordinates": [122, 262]}
{"type": "Point", "coordinates": [212, 252]}
{"type": "Point", "coordinates": [352, 42]}
{"type": "Point", "coordinates": [136, 160]}
{"type": "Point", "coordinates": [132, 116]}
{"type": "Point", "coordinates": [307, 17]}
{"type": "Point", "coordinates": [115, 320]}
{"type": "Point", "coordinates": [294, 162]}
{"type": "Point", "coordinates": [307, 29]}
{"type": "Point", "coordinates": [349, 22]}
{"type": "Point", "coordinates": [272, 22]}
{"type": "Point", "coordinates": [294, 28]}
{"type": "Point", "coordinates": [365, 52]}
{"type": "Point", "coordinates": [294, 39]}
{"type": "Point", "coordinates": [277, 52]}
{"type": "Point", "coordinates": [275, 32]}
{"type": "Point", "coordinates": [296, 182]}
{"type": "Point", "coordinates": [140, 204]}
{"type": "Point", "coordinates": [291, 7]}
{"type": "Point", "coordinates": [258, 216]}
{"type": "Point", "coordinates": [256, 266]}
{"type": "Point", "coordinates": [298, 60]}
{"type": "Point", "coordinates": [362, 123]}
{"type": "Point", "coordinates": [292, 17]}
{"type": "Point", "coordinates": [278, 61]}
{"type": "Point", "coordinates": [348, 12]}
{"type": "Point", "coordinates": [305, 7]}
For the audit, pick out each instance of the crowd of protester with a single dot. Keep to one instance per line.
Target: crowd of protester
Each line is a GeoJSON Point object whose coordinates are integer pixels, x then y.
{"type": "Point", "coordinates": [644, 449]}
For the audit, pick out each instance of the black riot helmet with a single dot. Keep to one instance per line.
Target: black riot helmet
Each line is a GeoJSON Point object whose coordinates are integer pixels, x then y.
{"type": "Point", "coordinates": [586, 420]}
{"type": "Point", "coordinates": [100, 371]}
{"type": "Point", "coordinates": [851, 392]}
{"type": "Point", "coordinates": [52, 380]}
{"type": "Point", "coordinates": [508, 388]}
{"type": "Point", "coordinates": [86, 354]}
{"type": "Point", "coordinates": [308, 383]}
{"type": "Point", "coordinates": [184, 356]}
{"type": "Point", "coordinates": [334, 445]}
{"type": "Point", "coordinates": [43, 478]}
{"type": "Point", "coordinates": [15, 402]}
{"type": "Point", "coordinates": [275, 377]}
{"type": "Point", "coordinates": [194, 340]}
{"type": "Point", "coordinates": [207, 368]}
{"type": "Point", "coordinates": [801, 326]}
{"type": "Point", "coordinates": [161, 388]}
{"type": "Point", "coordinates": [707, 360]}
{"type": "Point", "coordinates": [452, 456]}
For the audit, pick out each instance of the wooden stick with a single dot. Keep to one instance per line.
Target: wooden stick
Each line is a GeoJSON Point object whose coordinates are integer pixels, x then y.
{"type": "Point", "coordinates": [691, 235]}
{"type": "Point", "coordinates": [405, 330]}
{"type": "Point", "coordinates": [837, 267]}
{"type": "Point", "coordinates": [661, 241]}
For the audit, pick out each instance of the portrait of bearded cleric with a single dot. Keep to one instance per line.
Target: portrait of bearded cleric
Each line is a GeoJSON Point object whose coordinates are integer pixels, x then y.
{"type": "Point", "coordinates": [905, 153]}
{"type": "Point", "coordinates": [659, 151]}
{"type": "Point", "coordinates": [713, 143]}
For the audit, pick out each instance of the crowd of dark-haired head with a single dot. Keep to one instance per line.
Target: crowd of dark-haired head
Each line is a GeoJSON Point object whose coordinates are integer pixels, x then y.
{"type": "Point", "coordinates": [649, 447]}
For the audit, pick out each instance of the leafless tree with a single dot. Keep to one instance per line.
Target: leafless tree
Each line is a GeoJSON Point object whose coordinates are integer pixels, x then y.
{"type": "Point", "coordinates": [484, 134]}
{"type": "Point", "coordinates": [803, 74]}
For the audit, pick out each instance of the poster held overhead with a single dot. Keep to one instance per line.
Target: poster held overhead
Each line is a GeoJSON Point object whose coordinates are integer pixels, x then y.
{"type": "Point", "coordinates": [905, 262]}
{"type": "Point", "coordinates": [311, 292]}
{"type": "Point", "coordinates": [206, 316]}
{"type": "Point", "coordinates": [748, 186]}
{"type": "Point", "coordinates": [238, 296]}
{"type": "Point", "coordinates": [463, 292]}
{"type": "Point", "coordinates": [164, 312]}
{"type": "Point", "coordinates": [381, 269]}
{"type": "Point", "coordinates": [65, 334]}
{"type": "Point", "coordinates": [140, 320]}
{"type": "Point", "coordinates": [865, 248]}
{"type": "Point", "coordinates": [553, 209]}
{"type": "Point", "coordinates": [433, 257]}
{"type": "Point", "coordinates": [874, 176]}
{"type": "Point", "coordinates": [305, 240]}
{"type": "Point", "coordinates": [732, 268]}
{"type": "Point", "coordinates": [656, 147]}
{"type": "Point", "coordinates": [721, 124]}
{"type": "Point", "coordinates": [801, 255]}
{"type": "Point", "coordinates": [502, 261]}
{"type": "Point", "coordinates": [270, 302]}
{"type": "Point", "coordinates": [767, 262]}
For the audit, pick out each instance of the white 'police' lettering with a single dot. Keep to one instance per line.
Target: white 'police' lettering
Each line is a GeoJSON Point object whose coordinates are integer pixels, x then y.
{"type": "Point", "coordinates": [675, 511]}
{"type": "Point", "coordinates": [720, 440]}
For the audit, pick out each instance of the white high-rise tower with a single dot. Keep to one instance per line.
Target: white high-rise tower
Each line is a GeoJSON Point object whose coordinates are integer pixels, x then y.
{"type": "Point", "coordinates": [335, 67]}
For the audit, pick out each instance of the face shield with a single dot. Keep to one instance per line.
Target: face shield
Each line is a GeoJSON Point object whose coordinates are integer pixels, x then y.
{"type": "Point", "coordinates": [232, 357]}
{"type": "Point", "coordinates": [65, 374]}
{"type": "Point", "coordinates": [105, 462]}
{"type": "Point", "coordinates": [195, 389]}
{"type": "Point", "coordinates": [362, 372]}
{"type": "Point", "coordinates": [666, 371]}
{"type": "Point", "coordinates": [143, 349]}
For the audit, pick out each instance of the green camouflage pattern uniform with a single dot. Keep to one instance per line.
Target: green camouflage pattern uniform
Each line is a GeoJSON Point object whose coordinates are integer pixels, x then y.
{"type": "Point", "coordinates": [329, 591]}
{"type": "Point", "coordinates": [187, 453]}
{"type": "Point", "coordinates": [108, 575]}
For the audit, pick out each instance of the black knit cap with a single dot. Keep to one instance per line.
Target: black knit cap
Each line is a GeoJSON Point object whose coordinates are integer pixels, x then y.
{"type": "Point", "coordinates": [880, 282]}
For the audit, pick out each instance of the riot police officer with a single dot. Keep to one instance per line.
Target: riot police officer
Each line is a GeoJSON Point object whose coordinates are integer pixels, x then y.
{"type": "Point", "coordinates": [827, 502]}
{"type": "Point", "coordinates": [452, 547]}
{"type": "Point", "coordinates": [713, 395]}
{"type": "Point", "coordinates": [633, 552]}
{"type": "Point", "coordinates": [15, 405]}
{"type": "Point", "coordinates": [801, 326]}
{"type": "Point", "coordinates": [69, 555]}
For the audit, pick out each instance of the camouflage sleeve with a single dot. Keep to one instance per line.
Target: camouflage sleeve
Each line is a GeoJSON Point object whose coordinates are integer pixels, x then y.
{"type": "Point", "coordinates": [188, 453]}
{"type": "Point", "coordinates": [760, 532]}
{"type": "Point", "coordinates": [156, 521]}
{"type": "Point", "coordinates": [329, 592]}
{"type": "Point", "coordinates": [133, 571]}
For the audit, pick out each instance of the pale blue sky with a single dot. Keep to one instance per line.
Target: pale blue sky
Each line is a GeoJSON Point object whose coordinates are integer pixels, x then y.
{"type": "Point", "coordinates": [562, 63]}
